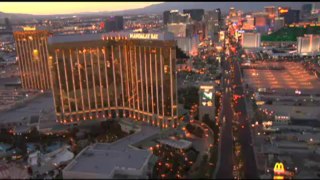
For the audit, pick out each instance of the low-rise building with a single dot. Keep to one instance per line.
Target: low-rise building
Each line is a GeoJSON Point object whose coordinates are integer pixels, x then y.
{"type": "Point", "coordinates": [108, 163]}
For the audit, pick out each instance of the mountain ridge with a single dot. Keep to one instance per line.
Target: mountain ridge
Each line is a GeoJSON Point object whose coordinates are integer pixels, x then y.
{"type": "Point", "coordinates": [159, 8]}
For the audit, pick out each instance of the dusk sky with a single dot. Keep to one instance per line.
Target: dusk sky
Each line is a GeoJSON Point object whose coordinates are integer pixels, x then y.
{"type": "Point", "coordinates": [46, 8]}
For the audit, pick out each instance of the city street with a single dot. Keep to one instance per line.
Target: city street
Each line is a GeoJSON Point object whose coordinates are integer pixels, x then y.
{"type": "Point", "coordinates": [226, 161]}
{"type": "Point", "coordinates": [250, 167]}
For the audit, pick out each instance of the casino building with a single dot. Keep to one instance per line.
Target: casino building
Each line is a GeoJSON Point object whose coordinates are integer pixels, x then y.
{"type": "Point", "coordinates": [32, 52]}
{"type": "Point", "coordinates": [114, 75]}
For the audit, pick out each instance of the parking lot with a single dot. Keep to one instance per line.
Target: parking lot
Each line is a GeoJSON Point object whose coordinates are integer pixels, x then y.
{"type": "Point", "coordinates": [293, 77]}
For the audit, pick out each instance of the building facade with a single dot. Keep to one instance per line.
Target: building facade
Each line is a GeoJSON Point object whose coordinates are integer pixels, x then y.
{"type": "Point", "coordinates": [175, 17]}
{"type": "Point", "coordinates": [278, 23]}
{"type": "Point", "coordinates": [32, 53]}
{"type": "Point", "coordinates": [308, 45]}
{"type": "Point", "coordinates": [196, 14]}
{"type": "Point", "coordinates": [250, 40]}
{"type": "Point", "coordinates": [115, 75]}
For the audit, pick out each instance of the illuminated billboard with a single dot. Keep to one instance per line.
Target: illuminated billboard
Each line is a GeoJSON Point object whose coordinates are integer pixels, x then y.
{"type": "Point", "coordinates": [206, 98]}
{"type": "Point", "coordinates": [143, 36]}
{"type": "Point", "coordinates": [283, 10]}
{"type": "Point", "coordinates": [206, 95]}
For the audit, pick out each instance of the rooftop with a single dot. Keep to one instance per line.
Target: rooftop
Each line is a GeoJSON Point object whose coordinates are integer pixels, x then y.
{"type": "Point", "coordinates": [101, 36]}
{"type": "Point", "coordinates": [179, 144]}
{"type": "Point", "coordinates": [93, 160]}
{"type": "Point", "coordinates": [105, 158]}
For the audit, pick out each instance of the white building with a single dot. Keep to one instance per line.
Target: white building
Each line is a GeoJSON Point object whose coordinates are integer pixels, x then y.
{"type": "Point", "coordinates": [188, 44]}
{"type": "Point", "coordinates": [107, 162]}
{"type": "Point", "coordinates": [178, 29]}
{"type": "Point", "coordinates": [117, 160]}
{"type": "Point", "coordinates": [309, 44]}
{"type": "Point", "coordinates": [250, 40]}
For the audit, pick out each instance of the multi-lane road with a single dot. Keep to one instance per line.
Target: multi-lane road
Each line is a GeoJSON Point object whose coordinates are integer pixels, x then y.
{"type": "Point", "coordinates": [250, 167]}
{"type": "Point", "coordinates": [225, 170]}
{"type": "Point", "coordinates": [226, 162]}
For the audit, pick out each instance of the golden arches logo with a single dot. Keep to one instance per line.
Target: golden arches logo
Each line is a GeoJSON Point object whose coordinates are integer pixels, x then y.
{"type": "Point", "coordinates": [278, 168]}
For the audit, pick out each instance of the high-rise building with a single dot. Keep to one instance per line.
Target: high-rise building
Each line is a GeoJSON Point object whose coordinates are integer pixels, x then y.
{"type": "Point", "coordinates": [195, 14]}
{"type": "Point", "coordinates": [249, 23]}
{"type": "Point", "coordinates": [290, 16]}
{"type": "Point", "coordinates": [232, 12]}
{"type": "Point", "coordinates": [189, 44]}
{"type": "Point", "coordinates": [261, 19]}
{"type": "Point", "coordinates": [309, 44]}
{"type": "Point", "coordinates": [271, 10]}
{"type": "Point", "coordinates": [293, 16]}
{"type": "Point", "coordinates": [250, 40]}
{"type": "Point", "coordinates": [175, 17]}
{"type": "Point", "coordinates": [179, 30]}
{"type": "Point", "coordinates": [213, 24]}
{"type": "Point", "coordinates": [315, 8]}
{"type": "Point", "coordinates": [8, 24]}
{"type": "Point", "coordinates": [32, 52]}
{"type": "Point", "coordinates": [114, 23]}
{"type": "Point", "coordinates": [199, 28]}
{"type": "Point", "coordinates": [278, 23]}
{"type": "Point", "coordinates": [306, 11]}
{"type": "Point", "coordinates": [166, 15]}
{"type": "Point", "coordinates": [115, 75]}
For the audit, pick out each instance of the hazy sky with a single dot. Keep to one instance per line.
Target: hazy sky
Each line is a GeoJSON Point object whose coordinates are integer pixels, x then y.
{"type": "Point", "coordinates": [68, 7]}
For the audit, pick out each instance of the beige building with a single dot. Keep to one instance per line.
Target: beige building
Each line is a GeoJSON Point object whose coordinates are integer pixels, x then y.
{"type": "Point", "coordinates": [115, 75]}
{"type": "Point", "coordinates": [32, 53]}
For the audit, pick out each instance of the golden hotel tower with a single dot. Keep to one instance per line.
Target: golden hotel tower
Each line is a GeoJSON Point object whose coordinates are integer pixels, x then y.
{"type": "Point", "coordinates": [32, 53]}
{"type": "Point", "coordinates": [96, 76]}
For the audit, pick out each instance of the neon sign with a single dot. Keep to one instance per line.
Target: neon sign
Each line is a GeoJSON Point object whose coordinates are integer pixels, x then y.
{"type": "Point", "coordinates": [28, 28]}
{"type": "Point", "coordinates": [278, 168]}
{"type": "Point", "coordinates": [143, 36]}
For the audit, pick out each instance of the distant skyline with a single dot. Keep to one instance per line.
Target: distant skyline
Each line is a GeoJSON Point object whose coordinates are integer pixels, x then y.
{"type": "Point", "coordinates": [48, 8]}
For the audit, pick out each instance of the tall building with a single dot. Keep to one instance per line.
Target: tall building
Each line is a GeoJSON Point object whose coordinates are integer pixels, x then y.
{"type": "Point", "coordinates": [166, 15]}
{"type": "Point", "coordinates": [309, 44]}
{"type": "Point", "coordinates": [250, 40]}
{"type": "Point", "coordinates": [213, 22]}
{"type": "Point", "coordinates": [175, 17]}
{"type": "Point", "coordinates": [290, 16]}
{"type": "Point", "coordinates": [195, 14]}
{"type": "Point", "coordinates": [114, 23]}
{"type": "Point", "coordinates": [115, 75]}
{"type": "Point", "coordinates": [232, 12]}
{"type": "Point", "coordinates": [8, 24]}
{"type": "Point", "coordinates": [306, 11]}
{"type": "Point", "coordinates": [315, 8]}
{"type": "Point", "coordinates": [179, 30]}
{"type": "Point", "coordinates": [271, 11]}
{"type": "Point", "coordinates": [189, 44]}
{"type": "Point", "coordinates": [32, 53]}
{"type": "Point", "coordinates": [278, 23]}
{"type": "Point", "coordinates": [293, 16]}
{"type": "Point", "coordinates": [249, 23]}
{"type": "Point", "coordinates": [199, 28]}
{"type": "Point", "coordinates": [261, 19]}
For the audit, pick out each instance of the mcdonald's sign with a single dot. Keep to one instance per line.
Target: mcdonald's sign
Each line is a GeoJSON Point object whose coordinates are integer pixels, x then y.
{"type": "Point", "coordinates": [278, 168]}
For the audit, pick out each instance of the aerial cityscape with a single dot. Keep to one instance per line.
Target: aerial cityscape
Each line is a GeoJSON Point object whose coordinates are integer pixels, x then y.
{"type": "Point", "coordinates": [160, 90]}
